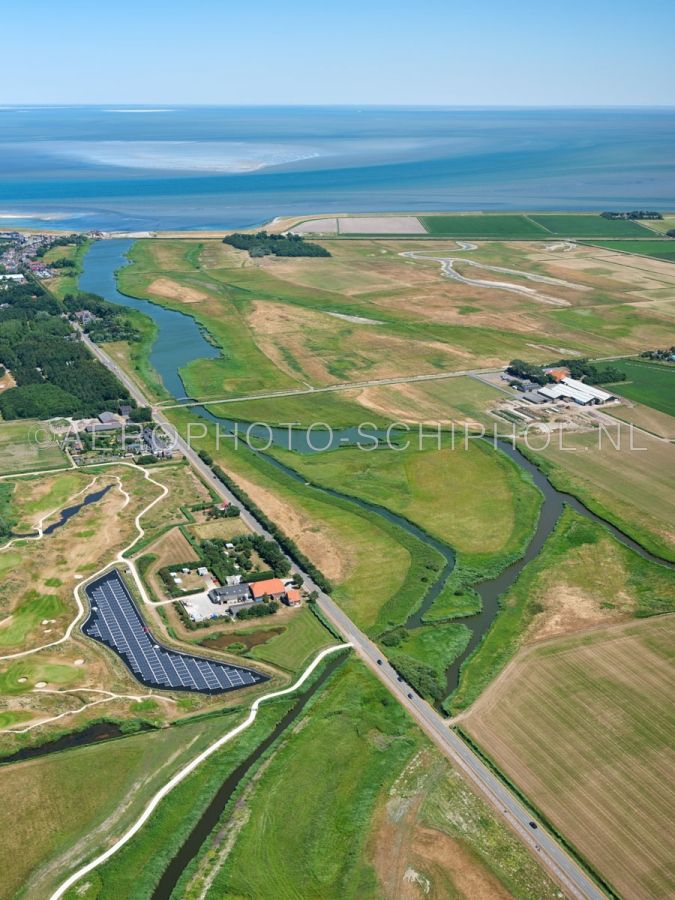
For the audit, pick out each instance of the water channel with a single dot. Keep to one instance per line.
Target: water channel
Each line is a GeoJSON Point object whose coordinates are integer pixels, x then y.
{"type": "Point", "coordinates": [179, 342]}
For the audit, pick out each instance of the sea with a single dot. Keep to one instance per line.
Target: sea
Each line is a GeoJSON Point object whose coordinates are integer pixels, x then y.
{"type": "Point", "coordinates": [133, 168]}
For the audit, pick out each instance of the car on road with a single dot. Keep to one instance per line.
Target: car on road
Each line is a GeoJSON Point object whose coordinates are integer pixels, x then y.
{"type": "Point", "coordinates": [379, 662]}
{"type": "Point", "coordinates": [410, 696]}
{"type": "Point", "coordinates": [533, 825]}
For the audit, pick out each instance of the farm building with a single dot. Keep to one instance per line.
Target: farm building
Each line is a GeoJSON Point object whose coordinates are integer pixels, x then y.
{"type": "Point", "coordinates": [272, 587]}
{"type": "Point", "coordinates": [293, 597]}
{"type": "Point", "coordinates": [230, 593]}
{"type": "Point", "coordinates": [577, 391]}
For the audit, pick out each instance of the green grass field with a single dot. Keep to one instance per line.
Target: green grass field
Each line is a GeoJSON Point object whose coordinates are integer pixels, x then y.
{"type": "Point", "coordinates": [579, 226]}
{"type": "Point", "coordinates": [435, 647]}
{"type": "Point", "coordinates": [499, 227]}
{"type": "Point", "coordinates": [30, 611]}
{"type": "Point", "coordinates": [582, 560]}
{"type": "Point", "coordinates": [303, 637]}
{"type": "Point", "coordinates": [647, 383]}
{"type": "Point", "coordinates": [65, 282]}
{"type": "Point", "coordinates": [657, 249]}
{"type": "Point", "coordinates": [35, 670]}
{"type": "Point", "coordinates": [21, 448]}
{"type": "Point", "coordinates": [626, 479]}
{"type": "Point", "coordinates": [531, 226]}
{"type": "Point", "coordinates": [311, 809]}
{"type": "Point", "coordinates": [444, 491]}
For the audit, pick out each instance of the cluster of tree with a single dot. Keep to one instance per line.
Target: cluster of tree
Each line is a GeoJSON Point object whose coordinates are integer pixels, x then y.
{"type": "Point", "coordinates": [591, 373]}
{"type": "Point", "coordinates": [529, 371]}
{"type": "Point", "coordinates": [63, 264]}
{"type": "Point", "coordinates": [7, 517]}
{"type": "Point", "coordinates": [111, 323]}
{"type": "Point", "coordinates": [421, 676]}
{"type": "Point", "coordinates": [633, 214]}
{"type": "Point", "coordinates": [670, 232]}
{"type": "Point", "coordinates": [27, 301]}
{"type": "Point", "coordinates": [259, 610]}
{"type": "Point", "coordinates": [140, 413]}
{"type": "Point", "coordinates": [217, 512]}
{"type": "Point", "coordinates": [667, 354]}
{"type": "Point", "coordinates": [55, 375]}
{"type": "Point", "coordinates": [264, 244]}
{"type": "Point", "coordinates": [222, 564]}
{"type": "Point", "coordinates": [288, 545]}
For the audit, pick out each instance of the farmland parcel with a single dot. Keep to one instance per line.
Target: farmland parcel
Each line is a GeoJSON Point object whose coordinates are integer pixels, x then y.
{"type": "Point", "coordinates": [584, 727]}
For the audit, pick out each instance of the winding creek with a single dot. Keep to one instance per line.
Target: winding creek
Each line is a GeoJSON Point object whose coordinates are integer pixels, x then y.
{"type": "Point", "coordinates": [180, 340]}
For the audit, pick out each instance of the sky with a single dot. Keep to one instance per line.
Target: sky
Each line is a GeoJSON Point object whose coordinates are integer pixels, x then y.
{"type": "Point", "coordinates": [429, 52]}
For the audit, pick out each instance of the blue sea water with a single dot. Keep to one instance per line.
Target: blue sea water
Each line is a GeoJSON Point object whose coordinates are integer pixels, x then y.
{"type": "Point", "coordinates": [129, 168]}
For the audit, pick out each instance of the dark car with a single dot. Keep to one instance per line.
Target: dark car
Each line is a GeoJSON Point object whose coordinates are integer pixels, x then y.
{"type": "Point", "coordinates": [398, 677]}
{"type": "Point", "coordinates": [410, 696]}
{"type": "Point", "coordinates": [379, 662]}
{"type": "Point", "coordinates": [533, 824]}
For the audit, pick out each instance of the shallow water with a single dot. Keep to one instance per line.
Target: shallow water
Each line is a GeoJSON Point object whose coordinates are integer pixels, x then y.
{"type": "Point", "coordinates": [183, 168]}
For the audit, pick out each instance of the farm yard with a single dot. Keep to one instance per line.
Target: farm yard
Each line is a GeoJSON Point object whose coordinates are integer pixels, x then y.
{"type": "Point", "coordinates": [607, 786]}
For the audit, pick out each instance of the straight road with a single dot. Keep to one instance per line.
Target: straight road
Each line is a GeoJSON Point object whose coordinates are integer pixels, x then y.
{"type": "Point", "coordinates": [543, 845]}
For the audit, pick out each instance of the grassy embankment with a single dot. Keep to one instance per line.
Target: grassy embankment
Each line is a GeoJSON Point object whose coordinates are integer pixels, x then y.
{"type": "Point", "coordinates": [315, 817]}
{"type": "Point", "coordinates": [583, 577]}
{"type": "Point", "coordinates": [583, 725]}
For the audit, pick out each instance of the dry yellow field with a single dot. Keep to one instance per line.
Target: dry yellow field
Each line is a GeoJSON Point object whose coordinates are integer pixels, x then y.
{"type": "Point", "coordinates": [584, 727]}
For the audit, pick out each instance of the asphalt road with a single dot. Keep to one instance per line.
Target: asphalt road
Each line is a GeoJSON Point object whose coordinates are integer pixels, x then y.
{"type": "Point", "coordinates": [544, 846]}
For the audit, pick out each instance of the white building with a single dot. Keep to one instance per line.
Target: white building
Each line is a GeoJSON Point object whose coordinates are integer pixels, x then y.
{"type": "Point", "coordinates": [571, 389]}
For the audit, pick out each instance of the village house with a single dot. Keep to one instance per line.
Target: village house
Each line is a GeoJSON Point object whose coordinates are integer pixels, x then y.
{"type": "Point", "coordinates": [270, 587]}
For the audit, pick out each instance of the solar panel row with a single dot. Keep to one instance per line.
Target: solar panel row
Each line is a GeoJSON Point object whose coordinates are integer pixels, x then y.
{"type": "Point", "coordinates": [115, 621]}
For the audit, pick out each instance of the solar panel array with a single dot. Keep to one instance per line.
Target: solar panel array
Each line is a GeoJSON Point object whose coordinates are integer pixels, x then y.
{"type": "Point", "coordinates": [115, 621]}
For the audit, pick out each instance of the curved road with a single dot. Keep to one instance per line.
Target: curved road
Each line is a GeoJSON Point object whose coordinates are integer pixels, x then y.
{"type": "Point", "coordinates": [543, 845]}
